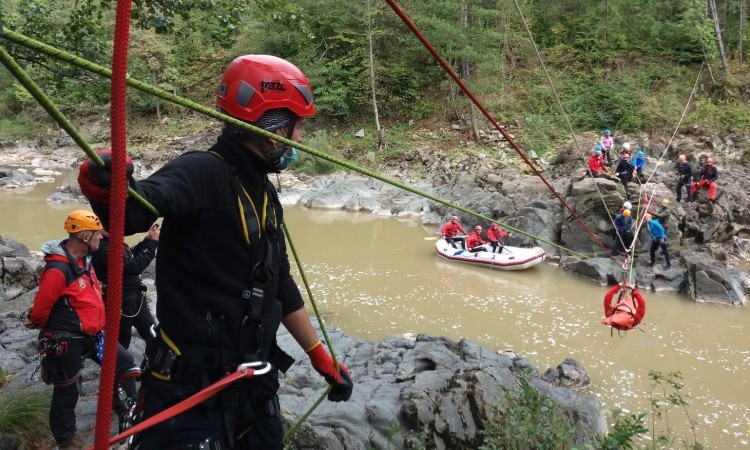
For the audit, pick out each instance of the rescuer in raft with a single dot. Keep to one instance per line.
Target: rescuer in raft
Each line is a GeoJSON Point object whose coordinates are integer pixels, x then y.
{"type": "Point", "coordinates": [627, 311]}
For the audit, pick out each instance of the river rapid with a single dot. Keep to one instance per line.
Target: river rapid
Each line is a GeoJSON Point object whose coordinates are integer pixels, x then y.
{"type": "Point", "coordinates": [375, 277]}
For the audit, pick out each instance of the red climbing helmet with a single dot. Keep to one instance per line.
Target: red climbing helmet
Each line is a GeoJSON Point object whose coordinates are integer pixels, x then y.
{"type": "Point", "coordinates": [494, 225]}
{"type": "Point", "coordinates": [454, 218]}
{"type": "Point", "coordinates": [256, 84]}
{"type": "Point", "coordinates": [710, 161]}
{"type": "Point", "coordinates": [477, 228]}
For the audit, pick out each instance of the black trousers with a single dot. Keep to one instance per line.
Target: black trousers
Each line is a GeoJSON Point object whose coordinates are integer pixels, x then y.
{"type": "Point", "coordinates": [688, 182]}
{"type": "Point", "coordinates": [655, 244]}
{"type": "Point", "coordinates": [64, 371]}
{"type": "Point", "coordinates": [135, 313]}
{"type": "Point", "coordinates": [240, 409]}
{"type": "Point", "coordinates": [452, 241]}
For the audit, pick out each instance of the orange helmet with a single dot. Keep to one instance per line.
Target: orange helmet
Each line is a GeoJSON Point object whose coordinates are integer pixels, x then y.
{"type": "Point", "coordinates": [82, 220]}
{"type": "Point", "coordinates": [626, 213]}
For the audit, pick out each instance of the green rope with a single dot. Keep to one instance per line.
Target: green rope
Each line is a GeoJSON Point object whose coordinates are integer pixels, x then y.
{"type": "Point", "coordinates": [17, 71]}
{"type": "Point", "coordinates": [144, 87]}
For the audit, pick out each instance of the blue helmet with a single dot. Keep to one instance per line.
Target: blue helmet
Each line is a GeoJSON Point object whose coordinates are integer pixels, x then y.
{"type": "Point", "coordinates": [598, 148]}
{"type": "Point", "coordinates": [640, 154]}
{"type": "Point", "coordinates": [608, 132]}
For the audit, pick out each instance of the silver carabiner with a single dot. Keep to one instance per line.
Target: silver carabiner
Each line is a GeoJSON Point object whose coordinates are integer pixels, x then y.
{"type": "Point", "coordinates": [252, 365]}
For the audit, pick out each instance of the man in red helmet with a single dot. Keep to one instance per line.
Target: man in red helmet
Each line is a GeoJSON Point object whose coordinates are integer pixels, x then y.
{"type": "Point", "coordinates": [450, 230]}
{"type": "Point", "coordinates": [475, 243]}
{"type": "Point", "coordinates": [707, 180]}
{"type": "Point", "coordinates": [222, 274]}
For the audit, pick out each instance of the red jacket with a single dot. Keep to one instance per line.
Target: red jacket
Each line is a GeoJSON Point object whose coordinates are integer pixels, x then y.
{"type": "Point", "coordinates": [450, 229]}
{"type": "Point", "coordinates": [474, 240]}
{"type": "Point", "coordinates": [69, 297]}
{"type": "Point", "coordinates": [494, 234]}
{"type": "Point", "coordinates": [638, 300]}
{"type": "Point", "coordinates": [596, 164]}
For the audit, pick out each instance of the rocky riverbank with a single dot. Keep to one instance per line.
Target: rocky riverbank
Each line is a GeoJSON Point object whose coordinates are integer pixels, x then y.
{"type": "Point", "coordinates": [431, 389]}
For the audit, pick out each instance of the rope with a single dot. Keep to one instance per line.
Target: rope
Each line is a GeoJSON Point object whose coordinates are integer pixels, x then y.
{"type": "Point", "coordinates": [19, 74]}
{"type": "Point", "coordinates": [314, 304]}
{"type": "Point", "coordinates": [247, 370]}
{"type": "Point", "coordinates": [144, 87]}
{"type": "Point", "coordinates": [489, 117]}
{"type": "Point", "coordinates": [118, 197]}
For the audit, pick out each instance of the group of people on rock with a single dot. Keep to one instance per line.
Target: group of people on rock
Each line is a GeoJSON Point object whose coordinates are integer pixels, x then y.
{"type": "Point", "coordinates": [657, 223]}
{"type": "Point", "coordinates": [474, 242]}
{"type": "Point", "coordinates": [630, 169]}
{"type": "Point", "coordinates": [223, 279]}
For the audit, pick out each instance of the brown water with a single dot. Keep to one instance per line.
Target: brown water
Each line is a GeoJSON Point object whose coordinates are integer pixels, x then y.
{"type": "Point", "coordinates": [375, 277]}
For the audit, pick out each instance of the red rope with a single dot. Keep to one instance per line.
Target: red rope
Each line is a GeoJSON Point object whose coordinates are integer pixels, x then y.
{"type": "Point", "coordinates": [116, 223]}
{"type": "Point", "coordinates": [243, 371]}
{"type": "Point", "coordinates": [489, 117]}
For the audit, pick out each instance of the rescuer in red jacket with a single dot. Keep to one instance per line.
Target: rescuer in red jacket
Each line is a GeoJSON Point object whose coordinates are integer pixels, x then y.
{"type": "Point", "coordinates": [70, 312]}
{"type": "Point", "coordinates": [475, 243]}
{"type": "Point", "coordinates": [450, 231]}
{"type": "Point", "coordinates": [493, 236]}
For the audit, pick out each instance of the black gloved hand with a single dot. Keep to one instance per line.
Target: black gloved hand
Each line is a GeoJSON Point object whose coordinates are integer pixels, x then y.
{"type": "Point", "coordinates": [95, 181]}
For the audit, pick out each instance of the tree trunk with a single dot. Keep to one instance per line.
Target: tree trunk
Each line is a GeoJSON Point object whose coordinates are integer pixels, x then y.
{"type": "Point", "coordinates": [378, 128]}
{"type": "Point", "coordinates": [158, 101]}
{"type": "Point", "coordinates": [465, 71]}
{"type": "Point", "coordinates": [743, 12]}
{"type": "Point", "coordinates": [719, 40]}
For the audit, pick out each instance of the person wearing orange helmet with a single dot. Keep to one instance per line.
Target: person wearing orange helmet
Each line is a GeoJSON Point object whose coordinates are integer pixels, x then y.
{"type": "Point", "coordinates": [707, 180]}
{"type": "Point", "coordinates": [475, 243]}
{"type": "Point", "coordinates": [623, 232]}
{"type": "Point", "coordinates": [69, 311]}
{"type": "Point", "coordinates": [223, 276]}
{"type": "Point", "coordinates": [450, 230]}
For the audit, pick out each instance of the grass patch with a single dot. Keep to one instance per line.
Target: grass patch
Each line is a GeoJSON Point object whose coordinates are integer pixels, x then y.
{"type": "Point", "coordinates": [528, 420]}
{"type": "Point", "coordinates": [25, 415]}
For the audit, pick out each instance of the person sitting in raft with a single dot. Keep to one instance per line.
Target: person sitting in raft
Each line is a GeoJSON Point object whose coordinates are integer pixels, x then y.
{"type": "Point", "coordinates": [627, 311]}
{"type": "Point", "coordinates": [450, 230]}
{"type": "Point", "coordinates": [493, 236]}
{"type": "Point", "coordinates": [475, 243]}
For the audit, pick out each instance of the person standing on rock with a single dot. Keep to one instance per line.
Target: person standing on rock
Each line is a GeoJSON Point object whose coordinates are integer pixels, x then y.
{"type": "Point", "coordinates": [623, 232]}
{"type": "Point", "coordinates": [625, 170]}
{"type": "Point", "coordinates": [659, 240]}
{"type": "Point", "coordinates": [639, 162]}
{"type": "Point", "coordinates": [684, 178]}
{"type": "Point", "coordinates": [135, 310]}
{"type": "Point", "coordinates": [607, 143]}
{"type": "Point", "coordinates": [707, 180]}
{"type": "Point", "coordinates": [223, 276]}
{"type": "Point", "coordinates": [70, 312]}
{"type": "Point", "coordinates": [494, 233]}
{"type": "Point", "coordinates": [450, 230]}
{"type": "Point", "coordinates": [663, 214]}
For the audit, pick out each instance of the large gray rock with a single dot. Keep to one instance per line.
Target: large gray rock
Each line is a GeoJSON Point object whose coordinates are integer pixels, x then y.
{"type": "Point", "coordinates": [712, 281]}
{"type": "Point", "coordinates": [431, 390]}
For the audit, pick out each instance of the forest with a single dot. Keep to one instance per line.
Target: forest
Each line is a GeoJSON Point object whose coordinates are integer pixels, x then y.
{"type": "Point", "coordinates": [629, 65]}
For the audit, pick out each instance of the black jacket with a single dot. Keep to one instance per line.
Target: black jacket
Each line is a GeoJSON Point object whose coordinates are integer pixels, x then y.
{"type": "Point", "coordinates": [204, 264]}
{"type": "Point", "coordinates": [684, 172]}
{"type": "Point", "coordinates": [136, 261]}
{"type": "Point", "coordinates": [625, 170]}
{"type": "Point", "coordinates": [709, 173]}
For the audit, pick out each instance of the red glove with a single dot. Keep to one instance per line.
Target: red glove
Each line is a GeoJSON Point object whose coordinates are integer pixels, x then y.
{"type": "Point", "coordinates": [339, 379]}
{"type": "Point", "coordinates": [95, 181]}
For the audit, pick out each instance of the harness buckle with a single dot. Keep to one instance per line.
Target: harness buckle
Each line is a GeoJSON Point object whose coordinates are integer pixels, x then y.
{"type": "Point", "coordinates": [167, 363]}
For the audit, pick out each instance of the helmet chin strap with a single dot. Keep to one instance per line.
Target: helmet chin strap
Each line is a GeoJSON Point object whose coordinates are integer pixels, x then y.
{"type": "Point", "coordinates": [278, 156]}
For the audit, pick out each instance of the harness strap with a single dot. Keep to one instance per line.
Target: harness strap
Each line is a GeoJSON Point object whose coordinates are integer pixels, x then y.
{"type": "Point", "coordinates": [247, 370]}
